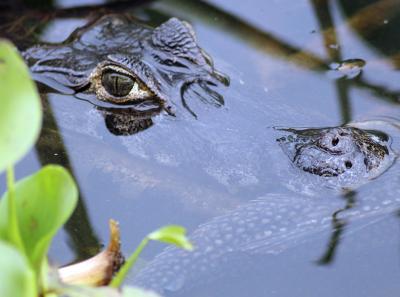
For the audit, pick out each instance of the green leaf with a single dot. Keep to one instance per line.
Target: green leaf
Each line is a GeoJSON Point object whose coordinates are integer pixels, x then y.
{"type": "Point", "coordinates": [17, 278]}
{"type": "Point", "coordinates": [44, 201]}
{"type": "Point", "coordinates": [137, 292]}
{"type": "Point", "coordinates": [12, 233]}
{"type": "Point", "coordinates": [172, 234]}
{"type": "Point", "coordinates": [20, 109]}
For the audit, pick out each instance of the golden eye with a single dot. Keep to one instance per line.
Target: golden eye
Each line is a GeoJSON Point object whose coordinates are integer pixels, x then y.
{"type": "Point", "coordinates": [117, 84]}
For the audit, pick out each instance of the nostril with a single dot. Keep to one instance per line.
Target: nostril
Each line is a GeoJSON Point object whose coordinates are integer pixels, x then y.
{"type": "Point", "coordinates": [335, 141]}
{"type": "Point", "coordinates": [348, 164]}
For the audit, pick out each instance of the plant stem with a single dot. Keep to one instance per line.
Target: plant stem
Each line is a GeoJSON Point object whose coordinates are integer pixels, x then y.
{"type": "Point", "coordinates": [13, 230]}
{"type": "Point", "coordinates": [10, 179]}
{"type": "Point", "coordinates": [120, 276]}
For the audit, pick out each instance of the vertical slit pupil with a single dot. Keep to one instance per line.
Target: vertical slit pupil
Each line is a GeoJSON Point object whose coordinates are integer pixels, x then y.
{"type": "Point", "coordinates": [117, 84]}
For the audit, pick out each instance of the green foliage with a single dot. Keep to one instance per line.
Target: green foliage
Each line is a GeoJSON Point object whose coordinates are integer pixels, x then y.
{"type": "Point", "coordinates": [20, 112]}
{"type": "Point", "coordinates": [171, 234]}
{"type": "Point", "coordinates": [17, 278]}
{"type": "Point", "coordinates": [35, 208]}
{"type": "Point", "coordinates": [44, 201]}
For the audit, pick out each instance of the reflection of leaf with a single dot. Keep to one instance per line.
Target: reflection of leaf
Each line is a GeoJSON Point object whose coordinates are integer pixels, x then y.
{"type": "Point", "coordinates": [16, 277]}
{"type": "Point", "coordinates": [44, 201]}
{"type": "Point", "coordinates": [172, 234]}
{"type": "Point", "coordinates": [20, 110]}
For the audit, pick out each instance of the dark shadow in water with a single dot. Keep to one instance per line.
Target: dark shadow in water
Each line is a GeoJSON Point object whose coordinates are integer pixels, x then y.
{"type": "Point", "coordinates": [332, 48]}
{"type": "Point", "coordinates": [23, 23]}
{"type": "Point", "coordinates": [379, 91]}
{"type": "Point", "coordinates": [325, 21]}
{"type": "Point", "coordinates": [126, 122]}
{"type": "Point", "coordinates": [51, 150]}
{"type": "Point", "coordinates": [129, 120]}
{"type": "Point", "coordinates": [342, 88]}
{"type": "Point", "coordinates": [272, 45]}
{"type": "Point", "coordinates": [338, 228]}
{"type": "Point", "coordinates": [376, 22]}
{"type": "Point", "coordinates": [250, 34]}
{"type": "Point", "coordinates": [50, 6]}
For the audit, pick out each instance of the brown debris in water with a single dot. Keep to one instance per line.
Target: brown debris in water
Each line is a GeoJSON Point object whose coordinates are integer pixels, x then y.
{"type": "Point", "coordinates": [100, 269]}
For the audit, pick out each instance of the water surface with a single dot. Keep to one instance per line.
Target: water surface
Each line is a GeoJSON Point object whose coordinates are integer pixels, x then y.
{"type": "Point", "coordinates": [191, 171]}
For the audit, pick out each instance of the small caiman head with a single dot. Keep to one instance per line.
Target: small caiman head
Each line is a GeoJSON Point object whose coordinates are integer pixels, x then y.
{"type": "Point", "coordinates": [345, 151]}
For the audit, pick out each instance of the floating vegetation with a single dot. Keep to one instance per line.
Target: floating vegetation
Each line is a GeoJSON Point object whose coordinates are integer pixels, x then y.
{"type": "Point", "coordinates": [349, 69]}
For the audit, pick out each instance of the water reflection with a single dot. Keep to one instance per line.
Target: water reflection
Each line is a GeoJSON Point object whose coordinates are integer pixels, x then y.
{"type": "Point", "coordinates": [275, 46]}
{"type": "Point", "coordinates": [376, 22]}
{"type": "Point", "coordinates": [338, 228]}
{"type": "Point", "coordinates": [333, 50]}
{"type": "Point", "coordinates": [127, 121]}
{"type": "Point", "coordinates": [51, 150]}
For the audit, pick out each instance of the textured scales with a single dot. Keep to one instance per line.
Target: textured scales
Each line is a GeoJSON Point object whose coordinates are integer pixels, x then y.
{"type": "Point", "coordinates": [162, 60]}
{"type": "Point", "coordinates": [348, 154]}
{"type": "Point", "coordinates": [268, 225]}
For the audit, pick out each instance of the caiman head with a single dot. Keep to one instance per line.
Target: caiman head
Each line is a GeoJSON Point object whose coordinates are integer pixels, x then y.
{"type": "Point", "coordinates": [122, 62]}
{"type": "Point", "coordinates": [338, 151]}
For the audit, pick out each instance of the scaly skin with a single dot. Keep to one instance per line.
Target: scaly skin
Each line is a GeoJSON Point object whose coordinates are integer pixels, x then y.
{"type": "Point", "coordinates": [121, 61]}
{"type": "Point", "coordinates": [345, 154]}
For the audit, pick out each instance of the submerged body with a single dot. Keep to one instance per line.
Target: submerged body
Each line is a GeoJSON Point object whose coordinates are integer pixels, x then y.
{"type": "Point", "coordinates": [266, 226]}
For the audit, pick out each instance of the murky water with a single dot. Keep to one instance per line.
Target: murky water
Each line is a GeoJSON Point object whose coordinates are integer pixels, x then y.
{"type": "Point", "coordinates": [291, 64]}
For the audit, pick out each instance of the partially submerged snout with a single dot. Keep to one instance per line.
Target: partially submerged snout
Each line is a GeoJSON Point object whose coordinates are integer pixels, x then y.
{"type": "Point", "coordinates": [346, 152]}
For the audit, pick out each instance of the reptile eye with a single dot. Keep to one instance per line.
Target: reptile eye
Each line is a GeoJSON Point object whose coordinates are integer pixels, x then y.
{"type": "Point", "coordinates": [116, 84]}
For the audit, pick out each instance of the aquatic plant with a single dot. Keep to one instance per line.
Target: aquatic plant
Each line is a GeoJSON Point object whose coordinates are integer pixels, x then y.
{"type": "Point", "coordinates": [35, 208]}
